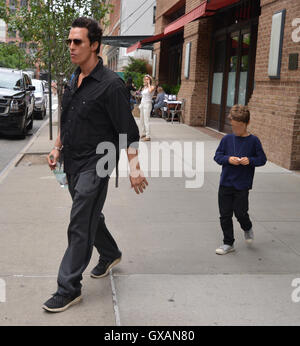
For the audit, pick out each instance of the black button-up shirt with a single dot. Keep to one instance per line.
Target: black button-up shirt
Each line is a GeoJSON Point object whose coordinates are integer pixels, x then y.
{"type": "Point", "coordinates": [96, 112]}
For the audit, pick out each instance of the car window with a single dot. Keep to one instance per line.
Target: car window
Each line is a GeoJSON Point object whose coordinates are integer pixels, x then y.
{"type": "Point", "coordinates": [11, 81]}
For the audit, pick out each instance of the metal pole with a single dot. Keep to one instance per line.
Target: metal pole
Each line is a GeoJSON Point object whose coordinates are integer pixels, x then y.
{"type": "Point", "coordinates": [49, 79]}
{"type": "Point", "coordinates": [50, 94]}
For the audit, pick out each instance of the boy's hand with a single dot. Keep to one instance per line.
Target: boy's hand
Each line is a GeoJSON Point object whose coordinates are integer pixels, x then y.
{"type": "Point", "coordinates": [244, 161]}
{"type": "Point", "coordinates": [234, 160]}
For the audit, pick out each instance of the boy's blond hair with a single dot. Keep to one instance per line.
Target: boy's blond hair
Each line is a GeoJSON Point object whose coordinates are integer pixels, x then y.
{"type": "Point", "coordinates": [239, 113]}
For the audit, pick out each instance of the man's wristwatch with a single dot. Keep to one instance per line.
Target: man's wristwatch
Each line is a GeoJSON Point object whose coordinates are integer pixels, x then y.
{"type": "Point", "coordinates": [58, 148]}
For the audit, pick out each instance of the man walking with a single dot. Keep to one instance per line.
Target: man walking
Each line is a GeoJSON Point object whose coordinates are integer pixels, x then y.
{"type": "Point", "coordinates": [95, 110]}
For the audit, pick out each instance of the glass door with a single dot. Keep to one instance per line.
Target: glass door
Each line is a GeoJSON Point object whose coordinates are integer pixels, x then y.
{"type": "Point", "coordinates": [244, 69]}
{"type": "Point", "coordinates": [217, 77]}
{"type": "Point", "coordinates": [238, 72]}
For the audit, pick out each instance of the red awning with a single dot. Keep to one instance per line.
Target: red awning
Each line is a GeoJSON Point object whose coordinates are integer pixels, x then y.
{"type": "Point", "coordinates": [144, 42]}
{"type": "Point", "coordinates": [205, 9]}
{"type": "Point", "coordinates": [214, 5]}
{"type": "Point", "coordinates": [187, 18]}
{"type": "Point", "coordinates": [134, 47]}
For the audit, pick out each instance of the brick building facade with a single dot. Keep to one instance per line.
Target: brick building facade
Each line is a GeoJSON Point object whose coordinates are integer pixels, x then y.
{"type": "Point", "coordinates": [229, 62]}
{"type": "Point", "coordinates": [275, 104]}
{"type": "Point", "coordinates": [110, 54]}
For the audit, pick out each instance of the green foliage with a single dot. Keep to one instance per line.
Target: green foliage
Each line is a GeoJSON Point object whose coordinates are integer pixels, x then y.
{"type": "Point", "coordinates": [12, 56]}
{"type": "Point", "coordinates": [136, 77]}
{"type": "Point", "coordinates": [136, 69]}
{"type": "Point", "coordinates": [171, 89]}
{"type": "Point", "coordinates": [137, 65]}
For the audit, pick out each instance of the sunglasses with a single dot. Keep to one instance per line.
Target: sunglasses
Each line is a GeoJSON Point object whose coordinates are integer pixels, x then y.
{"type": "Point", "coordinates": [76, 41]}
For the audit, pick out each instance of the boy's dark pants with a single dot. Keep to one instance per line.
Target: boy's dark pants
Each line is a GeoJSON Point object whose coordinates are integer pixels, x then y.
{"type": "Point", "coordinates": [232, 201]}
{"type": "Point", "coordinates": [86, 229]}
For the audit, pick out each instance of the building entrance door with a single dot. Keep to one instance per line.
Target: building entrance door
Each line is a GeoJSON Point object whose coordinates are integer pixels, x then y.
{"type": "Point", "coordinates": [232, 70]}
{"type": "Point", "coordinates": [238, 73]}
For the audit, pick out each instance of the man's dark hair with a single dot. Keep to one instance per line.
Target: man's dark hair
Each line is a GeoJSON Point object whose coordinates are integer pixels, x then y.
{"type": "Point", "coordinates": [94, 29]}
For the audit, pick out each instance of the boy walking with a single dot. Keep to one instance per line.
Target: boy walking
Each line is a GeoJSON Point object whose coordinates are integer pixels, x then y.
{"type": "Point", "coordinates": [238, 153]}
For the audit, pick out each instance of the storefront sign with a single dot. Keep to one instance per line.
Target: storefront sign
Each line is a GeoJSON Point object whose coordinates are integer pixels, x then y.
{"type": "Point", "coordinates": [275, 55]}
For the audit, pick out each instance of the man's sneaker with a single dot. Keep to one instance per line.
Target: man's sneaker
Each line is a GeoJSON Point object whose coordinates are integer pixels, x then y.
{"type": "Point", "coordinates": [59, 303]}
{"type": "Point", "coordinates": [224, 249]}
{"type": "Point", "coordinates": [249, 236]}
{"type": "Point", "coordinates": [103, 267]}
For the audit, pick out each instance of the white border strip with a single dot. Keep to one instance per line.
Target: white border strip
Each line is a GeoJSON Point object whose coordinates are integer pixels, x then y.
{"type": "Point", "coordinates": [115, 300]}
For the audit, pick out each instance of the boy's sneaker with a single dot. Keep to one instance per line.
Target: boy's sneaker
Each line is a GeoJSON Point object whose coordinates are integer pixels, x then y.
{"type": "Point", "coordinates": [224, 249]}
{"type": "Point", "coordinates": [103, 267]}
{"type": "Point", "coordinates": [59, 303]}
{"type": "Point", "coordinates": [249, 236]}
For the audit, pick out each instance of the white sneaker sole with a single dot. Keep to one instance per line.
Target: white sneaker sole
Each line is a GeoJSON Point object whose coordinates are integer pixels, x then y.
{"type": "Point", "coordinates": [115, 262]}
{"type": "Point", "coordinates": [222, 252]}
{"type": "Point", "coordinates": [73, 302]}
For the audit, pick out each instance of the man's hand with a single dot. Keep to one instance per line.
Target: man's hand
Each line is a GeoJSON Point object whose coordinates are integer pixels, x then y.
{"type": "Point", "coordinates": [53, 158]}
{"type": "Point", "coordinates": [138, 181]}
{"type": "Point", "coordinates": [244, 161]}
{"type": "Point", "coordinates": [136, 176]}
{"type": "Point", "coordinates": [234, 160]}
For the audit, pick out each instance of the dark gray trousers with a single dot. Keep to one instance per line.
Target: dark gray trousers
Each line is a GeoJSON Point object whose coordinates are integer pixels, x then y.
{"type": "Point", "coordinates": [86, 229]}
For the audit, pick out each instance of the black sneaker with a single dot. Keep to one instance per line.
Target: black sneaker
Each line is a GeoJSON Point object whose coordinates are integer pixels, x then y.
{"type": "Point", "coordinates": [103, 267]}
{"type": "Point", "coordinates": [59, 303]}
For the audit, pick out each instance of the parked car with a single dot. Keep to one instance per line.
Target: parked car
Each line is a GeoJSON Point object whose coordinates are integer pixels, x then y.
{"type": "Point", "coordinates": [29, 73]}
{"type": "Point", "coordinates": [46, 86]}
{"type": "Point", "coordinates": [40, 99]}
{"type": "Point", "coordinates": [16, 102]}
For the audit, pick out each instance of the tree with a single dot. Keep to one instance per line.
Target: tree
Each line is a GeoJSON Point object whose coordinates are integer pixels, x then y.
{"type": "Point", "coordinates": [47, 23]}
{"type": "Point", "coordinates": [136, 69]}
{"type": "Point", "coordinates": [12, 56]}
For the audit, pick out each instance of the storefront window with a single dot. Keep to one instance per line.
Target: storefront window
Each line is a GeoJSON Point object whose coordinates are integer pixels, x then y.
{"type": "Point", "coordinates": [220, 52]}
{"type": "Point", "coordinates": [232, 69]}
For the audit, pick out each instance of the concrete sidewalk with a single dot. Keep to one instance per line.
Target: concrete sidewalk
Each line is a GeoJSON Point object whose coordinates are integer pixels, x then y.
{"type": "Point", "coordinates": [170, 274]}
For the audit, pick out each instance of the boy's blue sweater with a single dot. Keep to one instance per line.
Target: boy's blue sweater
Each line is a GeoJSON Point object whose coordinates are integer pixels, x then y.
{"type": "Point", "coordinates": [240, 177]}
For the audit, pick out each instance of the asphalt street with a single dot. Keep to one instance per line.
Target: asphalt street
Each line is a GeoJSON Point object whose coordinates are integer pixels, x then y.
{"type": "Point", "coordinates": [10, 146]}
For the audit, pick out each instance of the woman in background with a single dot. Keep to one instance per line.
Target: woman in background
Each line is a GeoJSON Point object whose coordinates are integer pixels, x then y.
{"type": "Point", "coordinates": [146, 107]}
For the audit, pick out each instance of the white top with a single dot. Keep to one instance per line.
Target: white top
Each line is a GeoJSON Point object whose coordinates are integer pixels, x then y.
{"type": "Point", "coordinates": [146, 95]}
